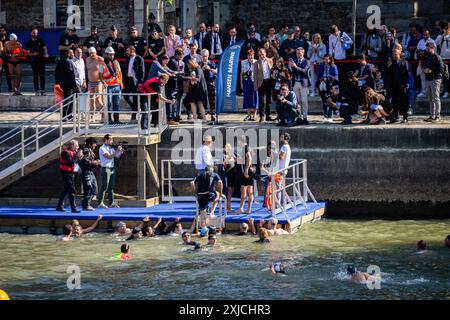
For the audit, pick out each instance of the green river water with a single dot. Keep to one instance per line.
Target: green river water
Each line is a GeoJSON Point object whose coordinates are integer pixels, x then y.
{"type": "Point", "coordinates": [34, 266]}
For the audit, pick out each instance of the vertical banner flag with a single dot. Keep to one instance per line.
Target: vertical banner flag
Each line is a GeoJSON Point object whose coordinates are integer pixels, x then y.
{"type": "Point", "coordinates": [227, 78]}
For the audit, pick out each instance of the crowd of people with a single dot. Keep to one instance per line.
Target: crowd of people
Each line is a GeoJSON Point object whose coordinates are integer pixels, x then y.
{"type": "Point", "coordinates": [279, 68]}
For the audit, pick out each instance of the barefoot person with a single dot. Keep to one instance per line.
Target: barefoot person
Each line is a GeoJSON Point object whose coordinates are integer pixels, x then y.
{"type": "Point", "coordinates": [247, 182]}
{"type": "Point", "coordinates": [204, 187]}
{"type": "Point", "coordinates": [95, 84]}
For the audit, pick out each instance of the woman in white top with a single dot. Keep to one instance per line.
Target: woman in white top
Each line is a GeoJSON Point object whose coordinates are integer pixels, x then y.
{"type": "Point", "coordinates": [247, 79]}
{"type": "Point", "coordinates": [316, 51]}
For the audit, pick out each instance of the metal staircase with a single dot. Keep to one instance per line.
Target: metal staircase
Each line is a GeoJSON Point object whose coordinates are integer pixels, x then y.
{"type": "Point", "coordinates": [36, 142]}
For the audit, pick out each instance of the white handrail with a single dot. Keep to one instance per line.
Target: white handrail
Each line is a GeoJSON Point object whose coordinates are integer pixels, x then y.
{"type": "Point", "coordinates": [66, 128]}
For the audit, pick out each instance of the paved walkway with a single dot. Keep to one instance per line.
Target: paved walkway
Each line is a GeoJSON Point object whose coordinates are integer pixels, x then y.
{"type": "Point", "coordinates": [8, 119]}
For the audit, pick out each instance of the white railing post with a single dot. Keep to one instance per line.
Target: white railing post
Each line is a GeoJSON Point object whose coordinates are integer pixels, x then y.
{"type": "Point", "coordinates": [74, 112]}
{"type": "Point", "coordinates": [169, 176]}
{"type": "Point", "coordinates": [22, 150]}
{"type": "Point", "coordinates": [61, 126]}
{"type": "Point", "coordinates": [149, 113]}
{"type": "Point", "coordinates": [305, 181]}
{"type": "Point", "coordinates": [37, 136]}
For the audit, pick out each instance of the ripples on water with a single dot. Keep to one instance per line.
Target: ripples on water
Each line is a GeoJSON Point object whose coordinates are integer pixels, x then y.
{"type": "Point", "coordinates": [34, 266]}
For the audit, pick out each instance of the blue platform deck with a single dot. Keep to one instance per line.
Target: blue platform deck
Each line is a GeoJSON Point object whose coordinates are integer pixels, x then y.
{"type": "Point", "coordinates": [169, 212]}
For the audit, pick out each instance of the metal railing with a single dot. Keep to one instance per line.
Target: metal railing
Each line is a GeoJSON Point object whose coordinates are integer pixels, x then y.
{"type": "Point", "coordinates": [289, 188]}
{"type": "Point", "coordinates": [168, 180]}
{"type": "Point", "coordinates": [67, 120]}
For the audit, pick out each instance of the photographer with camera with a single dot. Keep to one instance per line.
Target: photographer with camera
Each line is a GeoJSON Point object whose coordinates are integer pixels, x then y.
{"type": "Point", "coordinates": [286, 106]}
{"type": "Point", "coordinates": [88, 166]}
{"type": "Point", "coordinates": [68, 164]}
{"type": "Point", "coordinates": [108, 153]}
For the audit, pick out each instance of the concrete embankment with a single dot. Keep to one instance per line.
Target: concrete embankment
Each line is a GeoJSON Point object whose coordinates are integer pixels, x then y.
{"type": "Point", "coordinates": [396, 171]}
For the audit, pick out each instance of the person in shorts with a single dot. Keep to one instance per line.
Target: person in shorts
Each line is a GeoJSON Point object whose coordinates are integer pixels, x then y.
{"type": "Point", "coordinates": [204, 187]}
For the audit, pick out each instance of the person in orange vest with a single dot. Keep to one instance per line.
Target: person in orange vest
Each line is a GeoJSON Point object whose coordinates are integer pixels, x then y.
{"type": "Point", "coordinates": [68, 164]}
{"type": "Point", "coordinates": [153, 85]}
{"type": "Point", "coordinates": [111, 76]}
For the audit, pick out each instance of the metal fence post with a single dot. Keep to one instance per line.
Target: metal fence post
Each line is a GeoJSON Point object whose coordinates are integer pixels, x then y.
{"type": "Point", "coordinates": [305, 182]}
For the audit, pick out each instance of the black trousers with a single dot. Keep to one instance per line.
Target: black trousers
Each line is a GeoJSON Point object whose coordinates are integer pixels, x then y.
{"type": "Point", "coordinates": [68, 105]}
{"type": "Point", "coordinates": [7, 75]}
{"type": "Point", "coordinates": [265, 95]}
{"type": "Point", "coordinates": [38, 69]}
{"type": "Point", "coordinates": [69, 189]}
{"type": "Point", "coordinates": [90, 187]}
{"type": "Point", "coordinates": [132, 101]}
{"type": "Point", "coordinates": [211, 98]}
{"type": "Point", "coordinates": [399, 101]}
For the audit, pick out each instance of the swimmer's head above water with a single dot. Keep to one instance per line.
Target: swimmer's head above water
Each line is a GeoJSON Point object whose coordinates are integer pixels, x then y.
{"type": "Point", "coordinates": [351, 269]}
{"type": "Point", "coordinates": [278, 267]}
{"type": "Point", "coordinates": [421, 245]}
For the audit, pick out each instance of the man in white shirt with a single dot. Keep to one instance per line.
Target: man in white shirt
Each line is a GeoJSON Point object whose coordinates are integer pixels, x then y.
{"type": "Point", "coordinates": [79, 69]}
{"type": "Point", "coordinates": [285, 151]}
{"type": "Point", "coordinates": [203, 156]}
{"type": "Point", "coordinates": [337, 41]}
{"type": "Point", "coordinates": [107, 156]}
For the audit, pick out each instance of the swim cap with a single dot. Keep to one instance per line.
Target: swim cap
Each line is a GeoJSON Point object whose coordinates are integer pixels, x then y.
{"type": "Point", "coordinates": [277, 266]}
{"type": "Point", "coordinates": [351, 269]}
{"type": "Point", "coordinates": [12, 36]}
{"type": "Point", "coordinates": [204, 231]}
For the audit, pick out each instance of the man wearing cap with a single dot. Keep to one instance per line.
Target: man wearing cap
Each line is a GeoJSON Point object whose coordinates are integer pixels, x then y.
{"type": "Point", "coordinates": [153, 26]}
{"type": "Point", "coordinates": [115, 42]}
{"type": "Point", "coordinates": [138, 42]}
{"type": "Point", "coordinates": [250, 44]}
{"type": "Point", "coordinates": [134, 75]}
{"type": "Point", "coordinates": [69, 40]}
{"type": "Point", "coordinates": [95, 84]}
{"type": "Point", "coordinates": [93, 41]}
{"type": "Point", "coordinates": [111, 75]}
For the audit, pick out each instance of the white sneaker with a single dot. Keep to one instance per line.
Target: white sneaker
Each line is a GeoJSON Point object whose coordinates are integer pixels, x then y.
{"type": "Point", "coordinates": [325, 120]}
{"type": "Point", "coordinates": [102, 205]}
{"type": "Point", "coordinates": [114, 205]}
{"type": "Point", "coordinates": [330, 120]}
{"type": "Point", "coordinates": [421, 95]}
{"type": "Point", "coordinates": [446, 95]}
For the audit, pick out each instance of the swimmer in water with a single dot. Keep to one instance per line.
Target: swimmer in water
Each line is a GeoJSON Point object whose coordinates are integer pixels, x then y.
{"type": "Point", "coordinates": [187, 239]}
{"type": "Point", "coordinates": [263, 236]}
{"type": "Point", "coordinates": [272, 227]}
{"type": "Point", "coordinates": [78, 230]}
{"type": "Point", "coordinates": [122, 230]}
{"type": "Point", "coordinates": [359, 276]}
{"type": "Point", "coordinates": [245, 228]}
{"type": "Point", "coordinates": [136, 233]}
{"type": "Point", "coordinates": [124, 253]}
{"type": "Point", "coordinates": [212, 240]}
{"type": "Point", "coordinates": [278, 267]}
{"type": "Point", "coordinates": [447, 241]}
{"type": "Point", "coordinates": [421, 246]}
{"type": "Point", "coordinates": [67, 233]}
{"type": "Point", "coordinates": [147, 230]}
